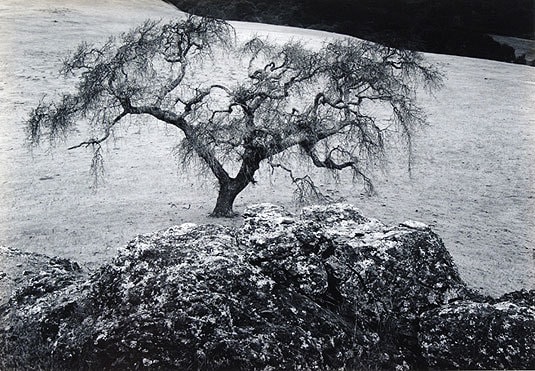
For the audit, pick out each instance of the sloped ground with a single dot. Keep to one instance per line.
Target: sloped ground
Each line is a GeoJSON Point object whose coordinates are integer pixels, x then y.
{"type": "Point", "coordinates": [472, 180]}
{"type": "Point", "coordinates": [327, 289]}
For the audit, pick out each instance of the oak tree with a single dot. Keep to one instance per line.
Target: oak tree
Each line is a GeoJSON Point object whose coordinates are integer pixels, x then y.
{"type": "Point", "coordinates": [335, 106]}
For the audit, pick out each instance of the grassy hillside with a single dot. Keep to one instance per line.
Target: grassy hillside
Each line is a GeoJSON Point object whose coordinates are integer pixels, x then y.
{"type": "Point", "coordinates": [472, 179]}
{"type": "Point", "coordinates": [457, 27]}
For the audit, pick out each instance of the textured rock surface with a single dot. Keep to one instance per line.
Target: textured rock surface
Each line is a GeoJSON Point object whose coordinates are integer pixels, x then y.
{"type": "Point", "coordinates": [327, 289]}
{"type": "Point", "coordinates": [471, 335]}
{"type": "Point", "coordinates": [33, 275]}
{"type": "Point", "coordinates": [376, 277]}
{"type": "Point", "coordinates": [37, 293]}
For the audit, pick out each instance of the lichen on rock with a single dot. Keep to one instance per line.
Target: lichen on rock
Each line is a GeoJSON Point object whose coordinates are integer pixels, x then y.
{"type": "Point", "coordinates": [469, 335]}
{"type": "Point", "coordinates": [326, 289]}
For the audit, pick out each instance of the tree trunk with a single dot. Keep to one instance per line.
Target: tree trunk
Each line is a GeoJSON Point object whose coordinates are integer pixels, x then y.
{"type": "Point", "coordinates": [225, 199]}
{"type": "Point", "coordinates": [229, 188]}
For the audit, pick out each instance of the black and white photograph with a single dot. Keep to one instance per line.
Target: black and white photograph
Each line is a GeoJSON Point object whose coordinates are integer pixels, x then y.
{"type": "Point", "coordinates": [267, 185]}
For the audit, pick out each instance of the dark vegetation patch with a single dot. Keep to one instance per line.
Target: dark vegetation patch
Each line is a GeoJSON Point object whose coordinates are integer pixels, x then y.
{"type": "Point", "coordinates": [456, 27]}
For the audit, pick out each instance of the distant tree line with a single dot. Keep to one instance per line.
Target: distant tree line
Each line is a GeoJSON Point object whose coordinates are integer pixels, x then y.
{"type": "Point", "coordinates": [459, 27]}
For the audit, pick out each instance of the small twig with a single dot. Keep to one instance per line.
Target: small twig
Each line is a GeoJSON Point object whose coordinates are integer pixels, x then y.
{"type": "Point", "coordinates": [93, 142]}
{"type": "Point", "coordinates": [306, 189]}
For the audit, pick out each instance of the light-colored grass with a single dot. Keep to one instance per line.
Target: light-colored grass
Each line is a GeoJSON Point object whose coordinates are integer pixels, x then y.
{"type": "Point", "coordinates": [473, 179]}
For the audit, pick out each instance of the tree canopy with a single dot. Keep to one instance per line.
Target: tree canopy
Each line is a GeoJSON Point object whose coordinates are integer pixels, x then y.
{"type": "Point", "coordinates": [322, 104]}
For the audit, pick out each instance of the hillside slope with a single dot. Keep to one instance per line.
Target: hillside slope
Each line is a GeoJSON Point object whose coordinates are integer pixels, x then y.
{"type": "Point", "coordinates": [456, 27]}
{"type": "Point", "coordinates": [472, 180]}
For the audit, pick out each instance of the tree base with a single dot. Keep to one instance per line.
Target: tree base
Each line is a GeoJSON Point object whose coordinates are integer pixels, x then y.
{"type": "Point", "coordinates": [223, 214]}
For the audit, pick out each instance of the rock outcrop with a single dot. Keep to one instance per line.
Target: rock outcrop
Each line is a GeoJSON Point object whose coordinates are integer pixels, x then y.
{"type": "Point", "coordinates": [328, 289]}
{"type": "Point", "coordinates": [499, 334]}
{"type": "Point", "coordinates": [33, 275]}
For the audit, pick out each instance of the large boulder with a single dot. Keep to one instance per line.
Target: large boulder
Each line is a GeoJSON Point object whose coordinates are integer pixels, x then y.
{"type": "Point", "coordinates": [379, 278]}
{"type": "Point", "coordinates": [33, 275]}
{"type": "Point", "coordinates": [37, 293]}
{"type": "Point", "coordinates": [499, 334]}
{"type": "Point", "coordinates": [326, 289]}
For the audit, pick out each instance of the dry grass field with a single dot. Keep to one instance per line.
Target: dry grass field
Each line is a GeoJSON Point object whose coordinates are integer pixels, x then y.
{"type": "Point", "coordinates": [472, 181]}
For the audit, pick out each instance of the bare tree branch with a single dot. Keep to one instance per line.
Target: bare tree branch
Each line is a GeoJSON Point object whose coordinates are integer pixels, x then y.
{"type": "Point", "coordinates": [107, 133]}
{"type": "Point", "coordinates": [339, 104]}
{"type": "Point", "coordinates": [305, 190]}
